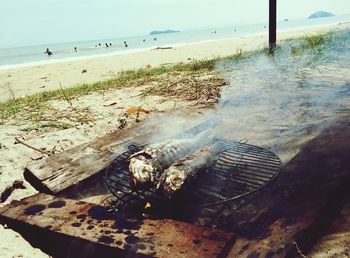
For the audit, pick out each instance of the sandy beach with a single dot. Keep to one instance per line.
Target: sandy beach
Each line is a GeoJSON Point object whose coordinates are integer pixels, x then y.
{"type": "Point", "coordinates": [19, 82]}
{"type": "Point", "coordinates": [66, 124]}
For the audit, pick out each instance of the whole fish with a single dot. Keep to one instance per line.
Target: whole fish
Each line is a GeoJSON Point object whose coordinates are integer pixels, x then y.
{"type": "Point", "coordinates": [147, 165]}
{"type": "Point", "coordinates": [185, 170]}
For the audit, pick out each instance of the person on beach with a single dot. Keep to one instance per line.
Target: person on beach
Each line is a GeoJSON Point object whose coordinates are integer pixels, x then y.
{"type": "Point", "coordinates": [107, 45]}
{"type": "Point", "coordinates": [48, 52]}
{"type": "Point", "coordinates": [75, 49]}
{"type": "Point", "coordinates": [125, 44]}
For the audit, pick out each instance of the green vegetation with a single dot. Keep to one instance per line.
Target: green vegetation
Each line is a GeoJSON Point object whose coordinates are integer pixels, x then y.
{"type": "Point", "coordinates": [313, 43]}
{"type": "Point", "coordinates": [39, 101]}
{"type": "Point", "coordinates": [36, 103]}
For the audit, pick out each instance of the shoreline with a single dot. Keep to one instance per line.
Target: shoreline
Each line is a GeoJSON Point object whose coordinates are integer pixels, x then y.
{"type": "Point", "coordinates": [33, 78]}
{"type": "Point", "coordinates": [145, 49]}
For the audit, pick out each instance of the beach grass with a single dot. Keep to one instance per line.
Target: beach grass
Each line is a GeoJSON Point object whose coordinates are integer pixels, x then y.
{"type": "Point", "coordinates": [123, 79]}
{"type": "Point", "coordinates": [311, 42]}
{"type": "Point", "coordinates": [314, 41]}
{"type": "Point", "coordinates": [131, 78]}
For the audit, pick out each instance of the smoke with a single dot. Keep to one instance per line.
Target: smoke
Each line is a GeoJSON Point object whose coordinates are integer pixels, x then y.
{"type": "Point", "coordinates": [278, 102]}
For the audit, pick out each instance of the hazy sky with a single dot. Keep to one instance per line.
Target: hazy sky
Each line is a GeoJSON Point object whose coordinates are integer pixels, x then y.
{"type": "Point", "coordinates": [26, 22]}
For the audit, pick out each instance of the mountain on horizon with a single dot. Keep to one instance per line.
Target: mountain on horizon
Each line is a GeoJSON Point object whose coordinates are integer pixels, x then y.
{"type": "Point", "coordinates": [321, 14]}
{"type": "Point", "coordinates": [155, 32]}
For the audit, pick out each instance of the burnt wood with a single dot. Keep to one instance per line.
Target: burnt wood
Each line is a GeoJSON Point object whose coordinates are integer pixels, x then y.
{"type": "Point", "coordinates": [336, 241]}
{"type": "Point", "coordinates": [80, 228]}
{"type": "Point", "coordinates": [66, 169]}
{"type": "Point", "coordinates": [302, 204]}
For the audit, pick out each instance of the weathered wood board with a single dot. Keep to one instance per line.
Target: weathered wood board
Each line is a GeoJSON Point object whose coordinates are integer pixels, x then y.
{"type": "Point", "coordinates": [127, 236]}
{"type": "Point", "coordinates": [300, 205]}
{"type": "Point", "coordinates": [63, 170]}
{"type": "Point", "coordinates": [336, 241]}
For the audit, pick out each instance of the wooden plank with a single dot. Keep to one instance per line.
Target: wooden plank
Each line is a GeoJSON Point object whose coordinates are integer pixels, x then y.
{"type": "Point", "coordinates": [336, 241]}
{"type": "Point", "coordinates": [300, 205]}
{"type": "Point", "coordinates": [63, 170]}
{"type": "Point", "coordinates": [127, 236]}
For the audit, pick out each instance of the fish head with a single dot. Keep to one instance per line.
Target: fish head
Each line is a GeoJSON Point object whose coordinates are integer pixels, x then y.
{"type": "Point", "coordinates": [143, 170]}
{"type": "Point", "coordinates": [174, 180]}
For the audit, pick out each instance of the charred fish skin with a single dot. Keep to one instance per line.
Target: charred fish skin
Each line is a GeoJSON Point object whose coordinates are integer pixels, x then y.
{"type": "Point", "coordinates": [184, 171]}
{"type": "Point", "coordinates": [146, 166]}
{"type": "Point", "coordinates": [173, 179]}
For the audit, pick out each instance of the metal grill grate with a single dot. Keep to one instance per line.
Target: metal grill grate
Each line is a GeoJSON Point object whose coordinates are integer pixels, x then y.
{"type": "Point", "coordinates": [240, 169]}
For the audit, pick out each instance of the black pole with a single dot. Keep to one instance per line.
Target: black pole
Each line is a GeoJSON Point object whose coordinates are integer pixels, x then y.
{"type": "Point", "coordinates": [272, 24]}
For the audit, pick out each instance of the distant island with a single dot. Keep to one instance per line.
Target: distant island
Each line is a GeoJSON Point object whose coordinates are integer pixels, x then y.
{"type": "Point", "coordinates": [155, 32]}
{"type": "Point", "coordinates": [321, 14]}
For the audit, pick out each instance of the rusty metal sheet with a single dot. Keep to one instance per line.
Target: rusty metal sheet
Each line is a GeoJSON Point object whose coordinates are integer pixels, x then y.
{"type": "Point", "coordinates": [290, 217]}
{"type": "Point", "coordinates": [157, 238]}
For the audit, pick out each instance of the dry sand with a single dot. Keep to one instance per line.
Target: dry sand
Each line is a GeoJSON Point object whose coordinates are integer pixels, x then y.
{"type": "Point", "coordinates": [37, 78]}
{"type": "Point", "coordinates": [101, 110]}
{"type": "Point", "coordinates": [88, 118]}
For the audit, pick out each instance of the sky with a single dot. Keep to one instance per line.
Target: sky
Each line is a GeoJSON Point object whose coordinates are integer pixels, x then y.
{"type": "Point", "coordinates": [33, 22]}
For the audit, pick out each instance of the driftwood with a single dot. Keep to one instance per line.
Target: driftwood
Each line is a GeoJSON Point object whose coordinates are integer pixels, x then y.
{"type": "Point", "coordinates": [33, 148]}
{"type": "Point", "coordinates": [78, 229]}
{"type": "Point", "coordinates": [63, 170]}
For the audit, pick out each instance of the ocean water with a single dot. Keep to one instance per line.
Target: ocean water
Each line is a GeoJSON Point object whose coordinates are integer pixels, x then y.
{"type": "Point", "coordinates": [19, 56]}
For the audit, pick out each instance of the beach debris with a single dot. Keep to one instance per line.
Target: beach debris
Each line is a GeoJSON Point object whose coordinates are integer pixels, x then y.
{"type": "Point", "coordinates": [160, 48]}
{"type": "Point", "coordinates": [43, 78]}
{"type": "Point", "coordinates": [137, 110]}
{"type": "Point", "coordinates": [148, 67]}
{"type": "Point", "coordinates": [110, 104]}
{"type": "Point", "coordinates": [84, 71]}
{"type": "Point", "coordinates": [31, 147]}
{"type": "Point", "coordinates": [43, 86]}
{"type": "Point", "coordinates": [36, 156]}
{"type": "Point", "coordinates": [189, 86]}
{"type": "Point", "coordinates": [122, 120]}
{"type": "Point", "coordinates": [18, 184]}
{"type": "Point", "coordinates": [2, 146]}
{"type": "Point", "coordinates": [132, 114]}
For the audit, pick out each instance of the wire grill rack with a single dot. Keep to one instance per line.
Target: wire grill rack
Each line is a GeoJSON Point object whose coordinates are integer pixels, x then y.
{"type": "Point", "coordinates": [239, 170]}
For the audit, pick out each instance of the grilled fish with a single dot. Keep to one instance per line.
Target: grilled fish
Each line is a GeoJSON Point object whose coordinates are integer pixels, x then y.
{"type": "Point", "coordinates": [185, 170]}
{"type": "Point", "coordinates": [146, 166]}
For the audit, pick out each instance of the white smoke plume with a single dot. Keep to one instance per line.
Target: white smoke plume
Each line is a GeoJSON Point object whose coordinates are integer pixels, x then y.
{"type": "Point", "coordinates": [278, 102]}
